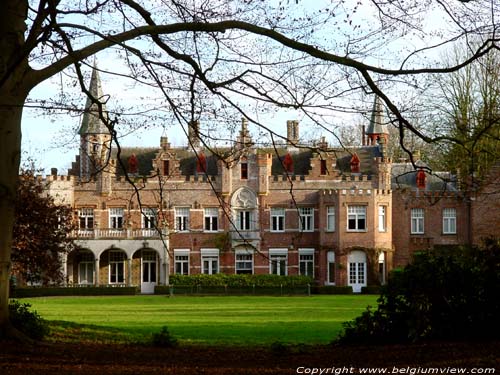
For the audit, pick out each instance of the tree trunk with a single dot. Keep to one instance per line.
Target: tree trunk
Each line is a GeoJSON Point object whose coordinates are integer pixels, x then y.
{"type": "Point", "coordinates": [13, 92]}
{"type": "Point", "coordinates": [10, 151]}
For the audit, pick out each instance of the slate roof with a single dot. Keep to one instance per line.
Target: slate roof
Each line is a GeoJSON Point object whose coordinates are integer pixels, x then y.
{"type": "Point", "coordinates": [404, 175]}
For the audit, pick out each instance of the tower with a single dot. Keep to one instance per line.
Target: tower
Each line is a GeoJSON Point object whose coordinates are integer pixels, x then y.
{"type": "Point", "coordinates": [95, 138]}
{"type": "Point", "coordinates": [377, 128]}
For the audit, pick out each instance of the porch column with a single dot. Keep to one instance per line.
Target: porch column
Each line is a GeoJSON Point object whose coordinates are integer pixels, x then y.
{"type": "Point", "coordinates": [96, 272]}
{"type": "Point", "coordinates": [129, 271]}
{"type": "Point", "coordinates": [64, 261]}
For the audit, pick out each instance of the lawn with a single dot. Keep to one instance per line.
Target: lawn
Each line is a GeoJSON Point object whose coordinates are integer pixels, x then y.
{"type": "Point", "coordinates": [202, 320]}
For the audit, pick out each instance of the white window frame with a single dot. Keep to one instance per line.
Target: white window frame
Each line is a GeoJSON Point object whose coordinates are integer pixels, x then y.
{"type": "Point", "coordinates": [330, 218]}
{"type": "Point", "coordinates": [277, 219]}
{"type": "Point", "coordinates": [417, 221]}
{"type": "Point", "coordinates": [210, 256]}
{"type": "Point", "coordinates": [181, 257]}
{"type": "Point", "coordinates": [116, 218]}
{"type": "Point", "coordinates": [357, 213]}
{"type": "Point", "coordinates": [211, 219]}
{"type": "Point", "coordinates": [450, 220]}
{"type": "Point", "coordinates": [382, 218]}
{"type": "Point", "coordinates": [87, 215]}
{"type": "Point", "coordinates": [276, 258]}
{"type": "Point", "coordinates": [149, 218]}
{"type": "Point", "coordinates": [243, 262]}
{"type": "Point", "coordinates": [87, 260]}
{"type": "Point", "coordinates": [306, 262]}
{"type": "Point", "coordinates": [181, 219]}
{"type": "Point", "coordinates": [330, 259]}
{"type": "Point", "coordinates": [244, 220]}
{"type": "Point", "coordinates": [114, 262]}
{"type": "Point", "coordinates": [306, 219]}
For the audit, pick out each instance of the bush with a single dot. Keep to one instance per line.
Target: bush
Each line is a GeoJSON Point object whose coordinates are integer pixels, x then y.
{"type": "Point", "coordinates": [222, 279]}
{"type": "Point", "coordinates": [164, 339]}
{"type": "Point", "coordinates": [445, 293]}
{"type": "Point", "coordinates": [71, 291]}
{"type": "Point", "coordinates": [26, 321]}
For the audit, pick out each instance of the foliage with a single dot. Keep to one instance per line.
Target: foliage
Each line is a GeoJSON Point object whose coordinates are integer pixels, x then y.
{"type": "Point", "coordinates": [445, 293]}
{"type": "Point", "coordinates": [164, 339]}
{"type": "Point", "coordinates": [41, 231]}
{"type": "Point", "coordinates": [222, 279]}
{"type": "Point", "coordinates": [26, 321]}
{"type": "Point", "coordinates": [470, 114]}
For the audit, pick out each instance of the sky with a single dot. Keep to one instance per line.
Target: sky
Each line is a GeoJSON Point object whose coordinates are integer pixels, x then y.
{"type": "Point", "coordinates": [52, 140]}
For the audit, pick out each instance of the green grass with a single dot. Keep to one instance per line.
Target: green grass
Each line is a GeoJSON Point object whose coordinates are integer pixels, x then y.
{"type": "Point", "coordinates": [202, 320]}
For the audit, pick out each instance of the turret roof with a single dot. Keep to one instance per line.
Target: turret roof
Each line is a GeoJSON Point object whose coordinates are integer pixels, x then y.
{"type": "Point", "coordinates": [91, 122]}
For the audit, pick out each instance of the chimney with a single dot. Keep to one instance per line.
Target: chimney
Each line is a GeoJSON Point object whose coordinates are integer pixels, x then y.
{"type": "Point", "coordinates": [292, 132]}
{"type": "Point", "coordinates": [363, 135]}
{"type": "Point", "coordinates": [53, 171]}
{"type": "Point", "coordinates": [194, 134]}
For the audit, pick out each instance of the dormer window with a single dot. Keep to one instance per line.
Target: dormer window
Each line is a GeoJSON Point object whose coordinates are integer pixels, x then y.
{"type": "Point", "coordinates": [355, 164]}
{"type": "Point", "coordinates": [244, 169]}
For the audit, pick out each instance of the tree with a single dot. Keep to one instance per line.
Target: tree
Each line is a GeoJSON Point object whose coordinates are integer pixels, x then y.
{"type": "Point", "coordinates": [470, 113]}
{"type": "Point", "coordinates": [208, 58]}
{"type": "Point", "coordinates": [448, 292]}
{"type": "Point", "coordinates": [41, 233]}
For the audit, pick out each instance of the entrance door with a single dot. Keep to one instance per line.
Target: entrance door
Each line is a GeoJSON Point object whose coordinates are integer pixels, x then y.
{"type": "Point", "coordinates": [357, 270]}
{"type": "Point", "coordinates": [148, 277]}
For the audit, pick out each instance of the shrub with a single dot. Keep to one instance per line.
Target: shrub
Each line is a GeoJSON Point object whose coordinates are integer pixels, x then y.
{"type": "Point", "coordinates": [26, 321]}
{"type": "Point", "coordinates": [222, 279]}
{"type": "Point", "coordinates": [445, 293]}
{"type": "Point", "coordinates": [164, 339]}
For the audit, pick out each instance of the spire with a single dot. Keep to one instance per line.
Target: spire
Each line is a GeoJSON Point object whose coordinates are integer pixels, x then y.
{"type": "Point", "coordinates": [91, 123]}
{"type": "Point", "coordinates": [377, 127]}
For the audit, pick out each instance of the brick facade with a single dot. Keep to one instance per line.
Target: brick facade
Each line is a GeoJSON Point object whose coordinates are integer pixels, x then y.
{"type": "Point", "coordinates": [242, 210]}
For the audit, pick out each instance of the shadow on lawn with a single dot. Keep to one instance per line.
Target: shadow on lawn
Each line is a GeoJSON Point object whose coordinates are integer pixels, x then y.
{"type": "Point", "coordinates": [64, 331]}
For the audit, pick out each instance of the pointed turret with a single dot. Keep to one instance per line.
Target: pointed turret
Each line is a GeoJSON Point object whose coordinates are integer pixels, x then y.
{"type": "Point", "coordinates": [95, 138]}
{"type": "Point", "coordinates": [91, 122]}
{"type": "Point", "coordinates": [377, 128]}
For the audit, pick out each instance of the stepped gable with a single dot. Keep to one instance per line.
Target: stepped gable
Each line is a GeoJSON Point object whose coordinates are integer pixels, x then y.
{"type": "Point", "coordinates": [404, 175]}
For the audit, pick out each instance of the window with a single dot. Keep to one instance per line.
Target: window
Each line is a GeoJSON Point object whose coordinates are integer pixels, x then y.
{"type": "Point", "coordinates": [116, 218]}
{"type": "Point", "coordinates": [331, 267]}
{"type": "Point", "coordinates": [306, 262]}
{"type": "Point", "coordinates": [86, 268]}
{"type": "Point", "coordinates": [306, 216]}
{"type": "Point", "coordinates": [449, 221]}
{"type": "Point", "coordinates": [417, 220]}
{"type": "Point", "coordinates": [356, 273]}
{"type": "Point", "coordinates": [210, 261]}
{"type": "Point", "coordinates": [277, 219]}
{"type": "Point", "coordinates": [244, 262]}
{"type": "Point", "coordinates": [86, 216]}
{"type": "Point", "coordinates": [381, 219]}
{"type": "Point", "coordinates": [148, 266]}
{"type": "Point", "coordinates": [356, 218]}
{"type": "Point", "coordinates": [244, 220]}
{"type": "Point", "coordinates": [330, 218]}
{"type": "Point", "coordinates": [322, 167]}
{"type": "Point", "coordinates": [278, 261]}
{"type": "Point", "coordinates": [166, 167]}
{"type": "Point", "coordinates": [149, 216]}
{"type": "Point", "coordinates": [116, 267]}
{"type": "Point", "coordinates": [181, 262]}
{"type": "Point", "coordinates": [244, 170]}
{"type": "Point", "coordinates": [211, 216]}
{"type": "Point", "coordinates": [381, 268]}
{"type": "Point", "coordinates": [182, 219]}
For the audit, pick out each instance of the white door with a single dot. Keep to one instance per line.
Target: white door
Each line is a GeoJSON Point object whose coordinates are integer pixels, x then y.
{"type": "Point", "coordinates": [357, 270]}
{"type": "Point", "coordinates": [148, 272]}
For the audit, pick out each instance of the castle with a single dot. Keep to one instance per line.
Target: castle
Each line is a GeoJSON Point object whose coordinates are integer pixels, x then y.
{"type": "Point", "coordinates": [341, 216]}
